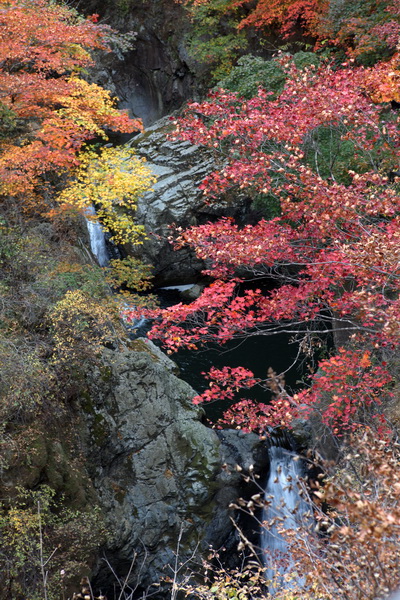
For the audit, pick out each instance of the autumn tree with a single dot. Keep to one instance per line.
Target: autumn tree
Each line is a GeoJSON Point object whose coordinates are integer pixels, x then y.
{"type": "Point", "coordinates": [367, 30]}
{"type": "Point", "coordinates": [53, 162]}
{"type": "Point", "coordinates": [285, 16]}
{"type": "Point", "coordinates": [56, 310]}
{"type": "Point", "coordinates": [333, 249]}
{"type": "Point", "coordinates": [350, 549]}
{"type": "Point", "coordinates": [112, 180]}
{"type": "Point", "coordinates": [50, 110]}
{"type": "Point", "coordinates": [222, 32]}
{"type": "Point", "coordinates": [357, 510]}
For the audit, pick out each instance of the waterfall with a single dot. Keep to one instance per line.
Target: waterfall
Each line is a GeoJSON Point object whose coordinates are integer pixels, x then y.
{"type": "Point", "coordinates": [285, 509]}
{"type": "Point", "coordinates": [97, 239]}
{"type": "Point", "coordinates": [138, 327]}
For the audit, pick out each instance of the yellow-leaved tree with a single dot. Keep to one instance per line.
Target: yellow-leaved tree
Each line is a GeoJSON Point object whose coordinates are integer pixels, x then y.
{"type": "Point", "coordinates": [112, 180]}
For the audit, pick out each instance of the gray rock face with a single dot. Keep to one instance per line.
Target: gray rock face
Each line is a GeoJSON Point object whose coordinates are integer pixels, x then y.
{"type": "Point", "coordinates": [180, 168]}
{"type": "Point", "coordinates": [160, 474]}
{"type": "Point", "coordinates": [154, 463]}
{"type": "Point", "coordinates": [157, 75]}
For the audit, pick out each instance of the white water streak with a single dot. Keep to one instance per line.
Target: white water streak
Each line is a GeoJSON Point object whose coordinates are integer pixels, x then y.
{"type": "Point", "coordinates": [97, 239]}
{"type": "Point", "coordinates": [285, 510]}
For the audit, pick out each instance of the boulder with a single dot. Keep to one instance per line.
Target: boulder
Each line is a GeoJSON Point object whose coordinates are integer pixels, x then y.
{"type": "Point", "coordinates": [153, 463]}
{"type": "Point", "coordinates": [164, 480]}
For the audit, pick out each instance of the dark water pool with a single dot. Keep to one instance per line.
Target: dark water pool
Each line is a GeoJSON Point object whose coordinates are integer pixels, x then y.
{"type": "Point", "coordinates": [257, 353]}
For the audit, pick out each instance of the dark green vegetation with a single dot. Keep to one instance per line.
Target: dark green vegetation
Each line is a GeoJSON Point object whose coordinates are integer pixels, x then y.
{"type": "Point", "coordinates": [47, 500]}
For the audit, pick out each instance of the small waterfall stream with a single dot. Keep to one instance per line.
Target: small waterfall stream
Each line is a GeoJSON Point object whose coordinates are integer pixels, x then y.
{"type": "Point", "coordinates": [99, 249]}
{"type": "Point", "coordinates": [97, 239]}
{"type": "Point", "coordinates": [285, 509]}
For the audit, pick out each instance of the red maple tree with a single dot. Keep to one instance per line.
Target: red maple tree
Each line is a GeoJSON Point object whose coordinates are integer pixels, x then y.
{"type": "Point", "coordinates": [333, 251]}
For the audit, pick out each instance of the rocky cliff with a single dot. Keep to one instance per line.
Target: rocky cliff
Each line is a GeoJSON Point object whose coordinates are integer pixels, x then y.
{"type": "Point", "coordinates": [176, 198]}
{"type": "Point", "coordinates": [157, 75]}
{"type": "Point", "coordinates": [157, 469]}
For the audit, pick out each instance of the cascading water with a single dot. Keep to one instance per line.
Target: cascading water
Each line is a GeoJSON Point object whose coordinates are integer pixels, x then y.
{"type": "Point", "coordinates": [97, 239]}
{"type": "Point", "coordinates": [99, 249]}
{"type": "Point", "coordinates": [284, 510]}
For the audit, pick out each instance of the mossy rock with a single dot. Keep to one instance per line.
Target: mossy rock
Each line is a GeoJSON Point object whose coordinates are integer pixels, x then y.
{"type": "Point", "coordinates": [46, 456]}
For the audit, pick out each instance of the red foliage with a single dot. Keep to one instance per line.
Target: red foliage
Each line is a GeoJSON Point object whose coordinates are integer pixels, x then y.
{"type": "Point", "coordinates": [225, 382]}
{"type": "Point", "coordinates": [334, 250]}
{"type": "Point", "coordinates": [284, 14]}
{"type": "Point", "coordinates": [351, 383]}
{"type": "Point", "coordinates": [356, 27]}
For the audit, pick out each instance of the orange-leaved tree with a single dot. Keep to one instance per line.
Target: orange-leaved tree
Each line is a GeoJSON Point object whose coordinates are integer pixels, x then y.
{"type": "Point", "coordinates": [49, 111]}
